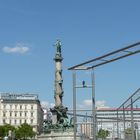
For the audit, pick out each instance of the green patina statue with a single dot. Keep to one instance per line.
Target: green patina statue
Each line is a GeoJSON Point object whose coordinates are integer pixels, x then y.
{"type": "Point", "coordinates": [63, 123]}
{"type": "Point", "coordinates": [58, 46]}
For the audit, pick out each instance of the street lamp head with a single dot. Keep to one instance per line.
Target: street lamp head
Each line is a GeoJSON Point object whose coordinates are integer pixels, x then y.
{"type": "Point", "coordinates": [83, 83]}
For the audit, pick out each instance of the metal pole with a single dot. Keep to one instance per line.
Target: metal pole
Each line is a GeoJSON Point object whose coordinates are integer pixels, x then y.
{"type": "Point", "coordinates": [124, 120]}
{"type": "Point", "coordinates": [81, 129]}
{"type": "Point", "coordinates": [117, 124]}
{"type": "Point", "coordinates": [86, 125]}
{"type": "Point", "coordinates": [132, 120]}
{"type": "Point", "coordinates": [74, 104]}
{"type": "Point", "coordinates": [93, 104]}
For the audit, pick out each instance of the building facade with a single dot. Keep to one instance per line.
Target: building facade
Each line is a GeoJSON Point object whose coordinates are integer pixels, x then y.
{"type": "Point", "coordinates": [16, 109]}
{"type": "Point", "coordinates": [107, 120]}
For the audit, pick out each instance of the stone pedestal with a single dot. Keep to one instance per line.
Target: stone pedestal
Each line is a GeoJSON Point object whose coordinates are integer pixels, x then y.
{"type": "Point", "coordinates": [54, 117]}
{"type": "Point", "coordinates": [60, 136]}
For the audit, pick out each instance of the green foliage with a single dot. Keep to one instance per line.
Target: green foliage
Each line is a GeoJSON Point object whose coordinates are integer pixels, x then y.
{"type": "Point", "coordinates": [5, 129]}
{"type": "Point", "coordinates": [103, 133]}
{"type": "Point", "coordinates": [128, 131]}
{"type": "Point", "coordinates": [1, 131]}
{"type": "Point", "coordinates": [24, 132]}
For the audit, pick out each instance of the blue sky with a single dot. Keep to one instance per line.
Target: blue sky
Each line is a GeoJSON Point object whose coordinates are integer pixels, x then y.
{"type": "Point", "coordinates": [87, 29]}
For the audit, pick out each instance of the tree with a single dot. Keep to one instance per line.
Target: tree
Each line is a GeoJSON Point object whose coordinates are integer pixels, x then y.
{"type": "Point", "coordinates": [1, 131]}
{"type": "Point", "coordinates": [4, 130]}
{"type": "Point", "coordinates": [128, 131]}
{"type": "Point", "coordinates": [24, 132]}
{"type": "Point", "coordinates": [103, 134]}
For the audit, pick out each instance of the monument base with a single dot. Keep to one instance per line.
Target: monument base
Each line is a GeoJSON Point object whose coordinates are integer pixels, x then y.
{"type": "Point", "coordinates": [61, 136]}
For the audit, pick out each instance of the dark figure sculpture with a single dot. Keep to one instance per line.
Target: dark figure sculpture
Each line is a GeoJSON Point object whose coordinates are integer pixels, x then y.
{"type": "Point", "coordinates": [58, 46]}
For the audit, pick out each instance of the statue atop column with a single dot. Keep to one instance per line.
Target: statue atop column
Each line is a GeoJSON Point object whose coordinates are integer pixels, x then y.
{"type": "Point", "coordinates": [58, 50]}
{"type": "Point", "coordinates": [58, 46]}
{"type": "Point", "coordinates": [59, 112]}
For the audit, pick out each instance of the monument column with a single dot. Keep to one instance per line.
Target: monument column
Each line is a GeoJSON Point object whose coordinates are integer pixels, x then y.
{"type": "Point", "coordinates": [59, 127]}
{"type": "Point", "coordinates": [59, 112]}
{"type": "Point", "coordinates": [58, 75]}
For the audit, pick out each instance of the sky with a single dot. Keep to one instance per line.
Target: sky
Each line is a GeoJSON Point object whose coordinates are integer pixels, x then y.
{"type": "Point", "coordinates": [87, 29]}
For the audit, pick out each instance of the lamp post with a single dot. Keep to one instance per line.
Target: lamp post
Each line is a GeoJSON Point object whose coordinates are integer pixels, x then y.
{"type": "Point", "coordinates": [136, 131]}
{"type": "Point", "coordinates": [74, 104]}
{"type": "Point", "coordinates": [93, 104]}
{"type": "Point", "coordinates": [92, 86]}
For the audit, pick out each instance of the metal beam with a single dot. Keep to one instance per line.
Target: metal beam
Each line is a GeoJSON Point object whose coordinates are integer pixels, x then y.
{"type": "Point", "coordinates": [112, 60]}
{"type": "Point", "coordinates": [127, 103]}
{"type": "Point", "coordinates": [82, 66]}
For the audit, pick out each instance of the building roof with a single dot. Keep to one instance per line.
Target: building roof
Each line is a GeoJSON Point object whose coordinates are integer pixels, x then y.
{"type": "Point", "coordinates": [11, 96]}
{"type": "Point", "coordinates": [115, 109]}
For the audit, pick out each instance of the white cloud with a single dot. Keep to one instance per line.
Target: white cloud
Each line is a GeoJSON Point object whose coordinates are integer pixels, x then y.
{"type": "Point", "coordinates": [46, 104]}
{"type": "Point", "coordinates": [87, 104]}
{"type": "Point", "coordinates": [101, 104]}
{"type": "Point", "coordinates": [52, 105]}
{"type": "Point", "coordinates": [19, 48]}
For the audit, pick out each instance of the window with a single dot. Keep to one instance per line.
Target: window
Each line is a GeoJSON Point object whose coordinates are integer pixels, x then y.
{"type": "Point", "coordinates": [4, 114]}
{"type": "Point", "coordinates": [31, 114]}
{"type": "Point", "coordinates": [15, 106]}
{"type": "Point", "coordinates": [10, 121]}
{"type": "Point", "coordinates": [10, 113]}
{"type": "Point", "coordinates": [20, 106]}
{"type": "Point", "coordinates": [15, 114]}
{"type": "Point", "coordinates": [31, 121]}
{"type": "Point", "coordinates": [15, 121]}
{"type": "Point", "coordinates": [3, 121]}
{"type": "Point", "coordinates": [20, 121]}
{"type": "Point", "coordinates": [25, 114]}
{"type": "Point", "coordinates": [25, 121]}
{"type": "Point", "coordinates": [31, 106]}
{"type": "Point", "coordinates": [20, 114]}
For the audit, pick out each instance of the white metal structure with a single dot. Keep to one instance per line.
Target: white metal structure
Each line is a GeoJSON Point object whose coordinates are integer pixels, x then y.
{"type": "Point", "coordinates": [107, 120]}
